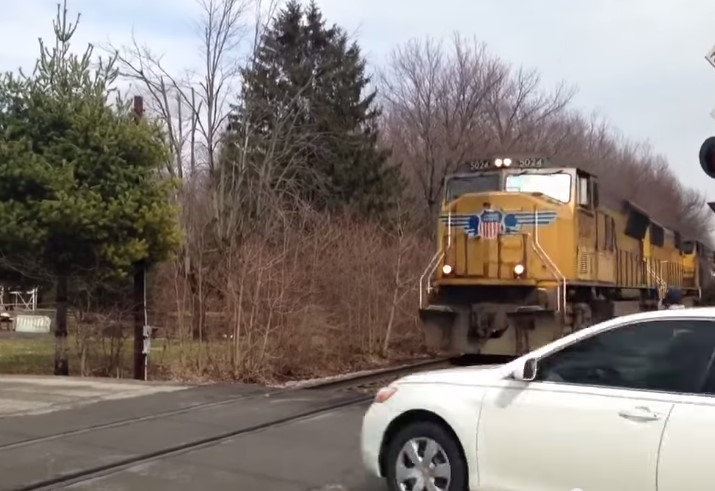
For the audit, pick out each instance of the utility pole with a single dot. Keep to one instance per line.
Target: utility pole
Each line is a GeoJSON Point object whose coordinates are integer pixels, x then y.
{"type": "Point", "coordinates": [141, 340]}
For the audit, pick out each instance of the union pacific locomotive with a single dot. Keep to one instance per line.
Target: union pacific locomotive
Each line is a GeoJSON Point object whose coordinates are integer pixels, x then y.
{"type": "Point", "coordinates": [528, 252]}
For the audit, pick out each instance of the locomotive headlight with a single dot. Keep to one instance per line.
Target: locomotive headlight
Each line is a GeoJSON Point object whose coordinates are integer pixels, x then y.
{"type": "Point", "coordinates": [519, 269]}
{"type": "Point", "coordinates": [498, 162]}
{"type": "Point", "coordinates": [507, 162]}
{"type": "Point", "coordinates": [446, 269]}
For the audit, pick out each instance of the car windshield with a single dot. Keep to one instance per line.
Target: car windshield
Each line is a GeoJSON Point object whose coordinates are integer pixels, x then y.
{"type": "Point", "coordinates": [556, 185]}
{"type": "Point", "coordinates": [478, 183]}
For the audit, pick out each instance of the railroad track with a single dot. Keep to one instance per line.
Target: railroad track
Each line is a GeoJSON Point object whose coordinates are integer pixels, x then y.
{"type": "Point", "coordinates": [347, 382]}
{"type": "Point", "coordinates": [360, 387]}
{"type": "Point", "coordinates": [375, 379]}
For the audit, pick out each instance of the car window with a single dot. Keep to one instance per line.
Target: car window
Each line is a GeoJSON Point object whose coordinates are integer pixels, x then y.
{"type": "Point", "coordinates": [708, 386]}
{"type": "Point", "coordinates": [664, 355]}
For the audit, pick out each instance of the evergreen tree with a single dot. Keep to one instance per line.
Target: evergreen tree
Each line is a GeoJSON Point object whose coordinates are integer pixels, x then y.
{"type": "Point", "coordinates": [308, 84]}
{"type": "Point", "coordinates": [80, 189]}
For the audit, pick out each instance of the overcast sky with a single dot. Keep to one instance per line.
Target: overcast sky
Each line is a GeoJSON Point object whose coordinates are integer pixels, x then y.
{"type": "Point", "coordinates": [638, 62]}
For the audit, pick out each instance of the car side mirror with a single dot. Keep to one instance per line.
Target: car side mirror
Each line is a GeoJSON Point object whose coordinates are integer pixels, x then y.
{"type": "Point", "coordinates": [527, 371]}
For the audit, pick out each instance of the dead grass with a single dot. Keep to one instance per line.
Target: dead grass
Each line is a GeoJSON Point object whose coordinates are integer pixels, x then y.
{"type": "Point", "coordinates": [329, 295]}
{"type": "Point", "coordinates": [34, 355]}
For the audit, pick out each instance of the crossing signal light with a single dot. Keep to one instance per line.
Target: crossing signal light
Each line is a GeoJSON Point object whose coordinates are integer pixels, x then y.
{"type": "Point", "coordinates": [707, 157]}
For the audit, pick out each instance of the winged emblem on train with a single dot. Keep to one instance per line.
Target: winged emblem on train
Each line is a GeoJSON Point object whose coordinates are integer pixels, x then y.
{"type": "Point", "coordinates": [489, 224]}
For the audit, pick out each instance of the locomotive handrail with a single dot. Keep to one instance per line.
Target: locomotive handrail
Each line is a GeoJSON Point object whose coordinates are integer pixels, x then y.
{"type": "Point", "coordinates": [660, 282]}
{"type": "Point", "coordinates": [429, 270]}
{"type": "Point", "coordinates": [560, 295]}
{"type": "Point", "coordinates": [561, 289]}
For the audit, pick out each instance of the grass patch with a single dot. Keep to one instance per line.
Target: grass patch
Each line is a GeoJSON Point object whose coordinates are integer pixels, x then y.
{"type": "Point", "coordinates": [170, 359]}
{"type": "Point", "coordinates": [27, 354]}
{"type": "Point", "coordinates": [34, 354]}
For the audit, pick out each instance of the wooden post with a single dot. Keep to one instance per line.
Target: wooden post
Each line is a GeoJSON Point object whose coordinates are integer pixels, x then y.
{"type": "Point", "coordinates": [139, 279]}
{"type": "Point", "coordinates": [138, 108]}
{"type": "Point", "coordinates": [61, 355]}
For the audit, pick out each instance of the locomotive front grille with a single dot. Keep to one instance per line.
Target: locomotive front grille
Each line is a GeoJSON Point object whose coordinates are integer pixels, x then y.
{"type": "Point", "coordinates": [472, 257]}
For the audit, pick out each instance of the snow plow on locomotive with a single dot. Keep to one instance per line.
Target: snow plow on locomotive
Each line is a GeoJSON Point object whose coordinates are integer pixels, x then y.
{"type": "Point", "coordinates": [528, 252]}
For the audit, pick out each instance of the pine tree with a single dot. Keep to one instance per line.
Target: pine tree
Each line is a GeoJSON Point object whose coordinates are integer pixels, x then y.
{"type": "Point", "coordinates": [81, 194]}
{"type": "Point", "coordinates": [312, 76]}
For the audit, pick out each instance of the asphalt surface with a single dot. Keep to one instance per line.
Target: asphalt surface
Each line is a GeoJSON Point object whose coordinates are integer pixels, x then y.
{"type": "Point", "coordinates": [22, 395]}
{"type": "Point", "coordinates": [317, 453]}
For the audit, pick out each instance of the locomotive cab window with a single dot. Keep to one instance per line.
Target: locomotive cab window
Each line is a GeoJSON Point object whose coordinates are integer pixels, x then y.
{"type": "Point", "coordinates": [585, 196]}
{"type": "Point", "coordinates": [687, 247]}
{"type": "Point", "coordinates": [556, 185]}
{"type": "Point", "coordinates": [477, 183]}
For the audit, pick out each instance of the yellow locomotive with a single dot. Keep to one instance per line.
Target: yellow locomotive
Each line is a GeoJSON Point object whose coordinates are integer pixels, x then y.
{"type": "Point", "coordinates": [528, 252]}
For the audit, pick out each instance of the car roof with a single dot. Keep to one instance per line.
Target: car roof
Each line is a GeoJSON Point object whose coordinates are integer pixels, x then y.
{"type": "Point", "coordinates": [690, 312]}
{"type": "Point", "coordinates": [699, 312]}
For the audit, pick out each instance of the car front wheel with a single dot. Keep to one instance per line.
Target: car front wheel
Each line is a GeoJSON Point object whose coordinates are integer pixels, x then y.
{"type": "Point", "coordinates": [423, 456]}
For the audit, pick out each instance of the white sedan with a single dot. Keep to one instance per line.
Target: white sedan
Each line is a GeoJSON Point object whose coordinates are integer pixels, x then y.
{"type": "Point", "coordinates": [625, 405]}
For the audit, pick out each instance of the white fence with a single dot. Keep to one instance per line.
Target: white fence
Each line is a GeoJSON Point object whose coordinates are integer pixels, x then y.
{"type": "Point", "coordinates": [19, 312]}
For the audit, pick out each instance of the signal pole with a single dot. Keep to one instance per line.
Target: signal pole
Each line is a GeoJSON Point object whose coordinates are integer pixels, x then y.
{"type": "Point", "coordinates": [707, 149]}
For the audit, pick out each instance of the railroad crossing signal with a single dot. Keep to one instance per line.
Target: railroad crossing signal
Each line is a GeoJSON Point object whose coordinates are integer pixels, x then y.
{"type": "Point", "coordinates": [710, 56]}
{"type": "Point", "coordinates": [707, 157]}
{"type": "Point", "coordinates": [707, 148]}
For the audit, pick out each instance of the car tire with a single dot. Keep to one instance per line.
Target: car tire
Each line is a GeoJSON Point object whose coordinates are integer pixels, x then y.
{"type": "Point", "coordinates": [423, 432]}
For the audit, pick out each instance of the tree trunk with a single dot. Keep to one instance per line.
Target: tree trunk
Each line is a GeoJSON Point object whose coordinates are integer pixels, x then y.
{"type": "Point", "coordinates": [61, 361]}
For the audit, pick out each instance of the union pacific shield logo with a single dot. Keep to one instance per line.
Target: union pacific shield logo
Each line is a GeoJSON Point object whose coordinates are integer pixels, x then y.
{"type": "Point", "coordinates": [489, 224]}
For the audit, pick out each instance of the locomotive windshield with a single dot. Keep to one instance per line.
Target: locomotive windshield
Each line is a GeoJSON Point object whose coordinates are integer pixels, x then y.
{"type": "Point", "coordinates": [556, 185]}
{"type": "Point", "coordinates": [478, 183]}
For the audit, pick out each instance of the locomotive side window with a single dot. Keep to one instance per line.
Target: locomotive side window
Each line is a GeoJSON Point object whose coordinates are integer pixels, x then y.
{"type": "Point", "coordinates": [479, 183]}
{"type": "Point", "coordinates": [584, 194]}
{"type": "Point", "coordinates": [556, 185]}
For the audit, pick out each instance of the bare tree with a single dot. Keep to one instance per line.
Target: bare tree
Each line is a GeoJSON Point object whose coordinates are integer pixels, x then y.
{"type": "Point", "coordinates": [405, 277]}
{"type": "Point", "coordinates": [444, 107]}
{"type": "Point", "coordinates": [432, 104]}
{"type": "Point", "coordinates": [194, 105]}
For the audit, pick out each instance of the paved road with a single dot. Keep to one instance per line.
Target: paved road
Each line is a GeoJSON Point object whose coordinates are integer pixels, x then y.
{"type": "Point", "coordinates": [29, 395]}
{"type": "Point", "coordinates": [319, 453]}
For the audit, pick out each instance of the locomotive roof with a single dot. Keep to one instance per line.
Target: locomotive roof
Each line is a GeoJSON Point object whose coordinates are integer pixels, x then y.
{"type": "Point", "coordinates": [536, 162]}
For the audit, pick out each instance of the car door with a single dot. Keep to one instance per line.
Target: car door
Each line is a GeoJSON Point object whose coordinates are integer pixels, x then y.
{"type": "Point", "coordinates": [685, 461]}
{"type": "Point", "coordinates": [594, 416]}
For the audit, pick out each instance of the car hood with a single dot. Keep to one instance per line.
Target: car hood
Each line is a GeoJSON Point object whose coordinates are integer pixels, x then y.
{"type": "Point", "coordinates": [462, 375]}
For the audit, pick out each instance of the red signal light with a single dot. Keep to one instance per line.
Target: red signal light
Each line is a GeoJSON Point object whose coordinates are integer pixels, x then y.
{"type": "Point", "coordinates": [707, 157]}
